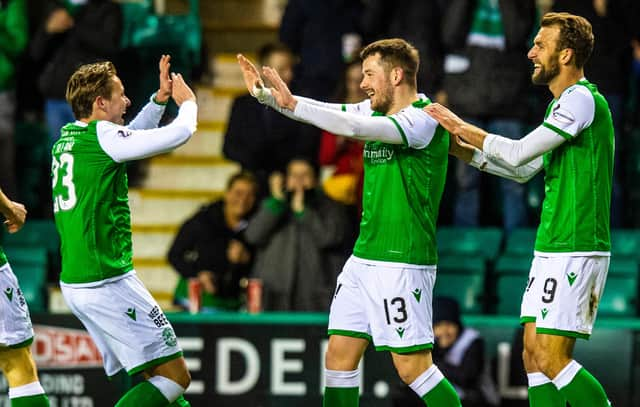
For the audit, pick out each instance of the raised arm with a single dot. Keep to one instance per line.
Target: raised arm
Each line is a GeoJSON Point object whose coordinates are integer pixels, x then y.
{"type": "Point", "coordinates": [124, 144]}
{"type": "Point", "coordinates": [150, 115]}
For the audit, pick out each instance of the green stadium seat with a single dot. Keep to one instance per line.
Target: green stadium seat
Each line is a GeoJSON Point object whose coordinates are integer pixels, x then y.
{"type": "Point", "coordinates": [462, 279]}
{"type": "Point", "coordinates": [625, 243]}
{"type": "Point", "coordinates": [520, 242]}
{"type": "Point", "coordinates": [483, 243]}
{"type": "Point", "coordinates": [38, 233]}
{"type": "Point", "coordinates": [512, 274]}
{"type": "Point", "coordinates": [621, 289]}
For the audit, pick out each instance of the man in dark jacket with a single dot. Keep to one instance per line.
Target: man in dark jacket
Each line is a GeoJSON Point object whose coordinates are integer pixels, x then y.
{"type": "Point", "coordinates": [211, 247]}
{"type": "Point", "coordinates": [68, 39]}
{"type": "Point", "coordinates": [298, 232]}
{"type": "Point", "coordinates": [486, 79]}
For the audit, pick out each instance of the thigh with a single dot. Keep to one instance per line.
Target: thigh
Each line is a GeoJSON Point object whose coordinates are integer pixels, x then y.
{"type": "Point", "coordinates": [15, 322]}
{"type": "Point", "coordinates": [18, 366]}
{"type": "Point", "coordinates": [399, 307]}
{"type": "Point", "coordinates": [130, 324]}
{"type": "Point", "coordinates": [566, 294]}
{"type": "Point", "coordinates": [348, 314]}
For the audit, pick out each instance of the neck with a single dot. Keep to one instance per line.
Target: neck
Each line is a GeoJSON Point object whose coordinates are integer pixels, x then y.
{"type": "Point", "coordinates": [566, 78]}
{"type": "Point", "coordinates": [403, 97]}
{"type": "Point", "coordinates": [231, 220]}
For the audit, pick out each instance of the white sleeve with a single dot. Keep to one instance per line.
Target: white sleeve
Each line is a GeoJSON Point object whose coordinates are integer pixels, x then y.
{"type": "Point", "coordinates": [572, 113]}
{"type": "Point", "coordinates": [519, 152]}
{"type": "Point", "coordinates": [125, 144]}
{"type": "Point", "coordinates": [366, 128]}
{"type": "Point", "coordinates": [148, 117]}
{"type": "Point", "coordinates": [415, 126]}
{"type": "Point", "coordinates": [519, 174]}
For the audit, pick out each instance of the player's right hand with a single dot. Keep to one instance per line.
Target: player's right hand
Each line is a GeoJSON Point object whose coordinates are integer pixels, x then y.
{"type": "Point", "coordinates": [16, 216]}
{"type": "Point", "coordinates": [180, 91]}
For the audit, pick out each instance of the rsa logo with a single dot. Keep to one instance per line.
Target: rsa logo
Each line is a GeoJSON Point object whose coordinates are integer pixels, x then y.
{"type": "Point", "coordinates": [55, 347]}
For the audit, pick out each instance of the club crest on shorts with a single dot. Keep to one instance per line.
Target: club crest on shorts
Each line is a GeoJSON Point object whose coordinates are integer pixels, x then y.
{"type": "Point", "coordinates": [169, 337]}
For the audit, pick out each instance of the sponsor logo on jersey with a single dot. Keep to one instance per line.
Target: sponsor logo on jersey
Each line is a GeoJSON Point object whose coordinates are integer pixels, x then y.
{"type": "Point", "coordinates": [377, 155]}
{"type": "Point", "coordinates": [562, 115]}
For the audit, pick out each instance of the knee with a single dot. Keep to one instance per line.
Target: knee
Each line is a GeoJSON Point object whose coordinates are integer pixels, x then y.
{"type": "Point", "coordinates": [183, 377]}
{"type": "Point", "coordinates": [407, 374]}
{"type": "Point", "coordinates": [337, 359]}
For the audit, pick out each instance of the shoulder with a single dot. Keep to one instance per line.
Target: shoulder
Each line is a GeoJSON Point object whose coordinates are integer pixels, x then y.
{"type": "Point", "coordinates": [577, 94]}
{"type": "Point", "coordinates": [106, 129]}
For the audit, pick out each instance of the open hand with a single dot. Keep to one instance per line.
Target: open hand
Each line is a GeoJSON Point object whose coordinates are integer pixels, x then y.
{"type": "Point", "coordinates": [164, 91]}
{"type": "Point", "coordinates": [250, 74]}
{"type": "Point", "coordinates": [280, 90]}
{"type": "Point", "coordinates": [180, 91]}
{"type": "Point", "coordinates": [456, 126]}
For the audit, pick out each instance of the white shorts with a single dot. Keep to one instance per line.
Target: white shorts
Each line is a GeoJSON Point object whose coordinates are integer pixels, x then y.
{"type": "Point", "coordinates": [126, 323]}
{"type": "Point", "coordinates": [15, 323]}
{"type": "Point", "coordinates": [387, 303]}
{"type": "Point", "coordinates": [563, 293]}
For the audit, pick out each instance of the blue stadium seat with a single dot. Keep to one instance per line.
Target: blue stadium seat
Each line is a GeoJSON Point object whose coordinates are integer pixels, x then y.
{"type": "Point", "coordinates": [482, 243]}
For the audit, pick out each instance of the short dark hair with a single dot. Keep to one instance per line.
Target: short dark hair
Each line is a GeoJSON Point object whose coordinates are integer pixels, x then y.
{"type": "Point", "coordinates": [396, 52]}
{"type": "Point", "coordinates": [575, 33]}
{"type": "Point", "coordinates": [243, 175]}
{"type": "Point", "coordinates": [86, 84]}
{"type": "Point", "coordinates": [271, 48]}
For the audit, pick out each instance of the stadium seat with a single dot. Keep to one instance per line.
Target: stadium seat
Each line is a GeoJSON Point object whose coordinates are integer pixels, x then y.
{"type": "Point", "coordinates": [520, 242]}
{"type": "Point", "coordinates": [620, 295]}
{"type": "Point", "coordinates": [482, 243]}
{"type": "Point", "coordinates": [463, 279]}
{"type": "Point", "coordinates": [625, 243]}
{"type": "Point", "coordinates": [512, 273]}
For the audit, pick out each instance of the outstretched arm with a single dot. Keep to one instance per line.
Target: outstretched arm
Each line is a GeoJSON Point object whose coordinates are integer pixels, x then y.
{"type": "Point", "coordinates": [513, 153]}
{"type": "Point", "coordinates": [150, 115]}
{"type": "Point", "coordinates": [328, 117]}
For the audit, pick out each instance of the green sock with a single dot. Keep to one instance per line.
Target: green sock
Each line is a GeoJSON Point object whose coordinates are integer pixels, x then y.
{"type": "Point", "coordinates": [580, 388]}
{"type": "Point", "coordinates": [144, 394]}
{"type": "Point", "coordinates": [443, 395]}
{"type": "Point", "coordinates": [545, 395]}
{"type": "Point", "coordinates": [341, 397]}
{"type": "Point", "coordinates": [180, 402]}
{"type": "Point", "coordinates": [38, 400]}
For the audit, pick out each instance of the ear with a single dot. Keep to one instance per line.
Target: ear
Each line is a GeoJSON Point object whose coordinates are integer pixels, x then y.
{"type": "Point", "coordinates": [100, 103]}
{"type": "Point", "coordinates": [397, 74]}
{"type": "Point", "coordinates": [566, 56]}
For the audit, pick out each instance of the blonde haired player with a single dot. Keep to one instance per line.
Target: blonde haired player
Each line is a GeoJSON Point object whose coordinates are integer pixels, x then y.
{"type": "Point", "coordinates": [90, 204]}
{"type": "Point", "coordinates": [16, 333]}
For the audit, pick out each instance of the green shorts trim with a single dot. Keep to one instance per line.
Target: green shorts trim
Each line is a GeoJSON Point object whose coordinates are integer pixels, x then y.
{"type": "Point", "coordinates": [560, 332]}
{"type": "Point", "coordinates": [408, 349]}
{"type": "Point", "coordinates": [525, 320]}
{"type": "Point", "coordinates": [22, 344]}
{"type": "Point", "coordinates": [154, 362]}
{"type": "Point", "coordinates": [352, 334]}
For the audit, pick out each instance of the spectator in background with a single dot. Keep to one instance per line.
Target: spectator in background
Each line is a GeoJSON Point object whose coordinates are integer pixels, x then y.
{"type": "Point", "coordinates": [324, 35]}
{"type": "Point", "coordinates": [261, 140]}
{"type": "Point", "coordinates": [486, 79]}
{"type": "Point", "coordinates": [13, 40]}
{"type": "Point", "coordinates": [297, 232]}
{"type": "Point", "coordinates": [66, 41]}
{"type": "Point", "coordinates": [211, 247]}
{"type": "Point", "coordinates": [613, 23]}
{"type": "Point", "coordinates": [345, 154]}
{"type": "Point", "coordinates": [459, 353]}
{"type": "Point", "coordinates": [418, 22]}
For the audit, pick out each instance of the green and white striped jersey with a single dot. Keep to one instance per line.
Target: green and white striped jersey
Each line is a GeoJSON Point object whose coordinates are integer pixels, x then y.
{"type": "Point", "coordinates": [578, 174]}
{"type": "Point", "coordinates": [403, 184]}
{"type": "Point", "coordinates": [90, 189]}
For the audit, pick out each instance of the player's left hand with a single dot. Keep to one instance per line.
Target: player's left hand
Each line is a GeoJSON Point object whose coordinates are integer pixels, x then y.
{"type": "Point", "coordinates": [16, 216]}
{"type": "Point", "coordinates": [250, 74]}
{"type": "Point", "coordinates": [280, 90]}
{"type": "Point", "coordinates": [164, 91]}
